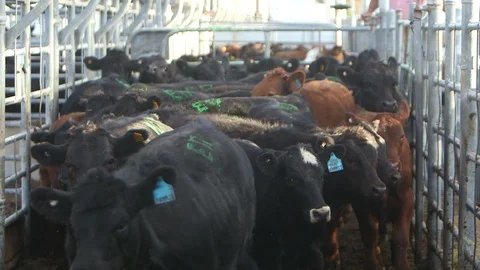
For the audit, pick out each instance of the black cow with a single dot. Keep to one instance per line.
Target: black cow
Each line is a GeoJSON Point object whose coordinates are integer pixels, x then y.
{"type": "Point", "coordinates": [115, 61]}
{"type": "Point", "coordinates": [375, 87]}
{"type": "Point", "coordinates": [152, 69]}
{"type": "Point", "coordinates": [107, 143]}
{"type": "Point", "coordinates": [129, 104]}
{"type": "Point", "coordinates": [324, 64]}
{"type": "Point", "coordinates": [111, 86]}
{"type": "Point", "coordinates": [269, 64]}
{"type": "Point", "coordinates": [290, 206]}
{"type": "Point", "coordinates": [208, 70]}
{"type": "Point", "coordinates": [364, 57]}
{"type": "Point", "coordinates": [162, 210]}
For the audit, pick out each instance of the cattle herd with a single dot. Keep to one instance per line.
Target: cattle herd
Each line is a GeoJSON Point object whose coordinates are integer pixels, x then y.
{"type": "Point", "coordinates": [162, 165]}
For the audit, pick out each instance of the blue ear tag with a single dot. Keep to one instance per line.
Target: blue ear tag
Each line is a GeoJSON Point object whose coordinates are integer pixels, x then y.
{"type": "Point", "coordinates": [163, 192]}
{"type": "Point", "coordinates": [298, 83]}
{"type": "Point", "coordinates": [334, 164]}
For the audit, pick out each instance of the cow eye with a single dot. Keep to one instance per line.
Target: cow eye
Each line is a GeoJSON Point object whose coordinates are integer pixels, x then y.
{"type": "Point", "coordinates": [291, 181]}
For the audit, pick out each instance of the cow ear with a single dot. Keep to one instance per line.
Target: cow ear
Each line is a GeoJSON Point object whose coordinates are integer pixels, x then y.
{"type": "Point", "coordinates": [42, 136]}
{"type": "Point", "coordinates": [158, 188]}
{"type": "Point", "coordinates": [53, 204]}
{"type": "Point", "coordinates": [296, 80]}
{"type": "Point", "coordinates": [322, 143]}
{"type": "Point", "coordinates": [348, 75]}
{"type": "Point", "coordinates": [154, 101]}
{"type": "Point", "coordinates": [93, 63]}
{"type": "Point", "coordinates": [49, 154]}
{"type": "Point", "coordinates": [135, 65]}
{"type": "Point", "coordinates": [130, 142]}
{"type": "Point", "coordinates": [338, 149]}
{"type": "Point", "coordinates": [392, 63]}
{"type": "Point", "coordinates": [182, 64]}
{"type": "Point", "coordinates": [267, 162]}
{"type": "Point", "coordinates": [350, 61]}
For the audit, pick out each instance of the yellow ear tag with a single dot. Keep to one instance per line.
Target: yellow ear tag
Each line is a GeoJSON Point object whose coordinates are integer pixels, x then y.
{"type": "Point", "coordinates": [139, 62]}
{"type": "Point", "coordinates": [89, 61]}
{"type": "Point", "coordinates": [138, 137]}
{"type": "Point", "coordinates": [322, 68]}
{"type": "Point", "coordinates": [155, 104]}
{"type": "Point", "coordinates": [232, 57]}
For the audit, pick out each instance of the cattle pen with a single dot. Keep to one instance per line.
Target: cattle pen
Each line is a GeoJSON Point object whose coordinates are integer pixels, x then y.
{"type": "Point", "coordinates": [438, 51]}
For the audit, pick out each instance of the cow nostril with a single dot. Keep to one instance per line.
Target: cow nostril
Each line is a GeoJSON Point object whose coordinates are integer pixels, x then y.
{"type": "Point", "coordinates": [379, 191]}
{"type": "Point", "coordinates": [320, 214]}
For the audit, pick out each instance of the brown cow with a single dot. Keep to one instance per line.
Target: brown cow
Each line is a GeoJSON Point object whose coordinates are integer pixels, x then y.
{"type": "Point", "coordinates": [299, 53]}
{"type": "Point", "coordinates": [336, 52]}
{"type": "Point", "coordinates": [49, 174]}
{"type": "Point", "coordinates": [328, 100]}
{"type": "Point", "coordinates": [400, 201]}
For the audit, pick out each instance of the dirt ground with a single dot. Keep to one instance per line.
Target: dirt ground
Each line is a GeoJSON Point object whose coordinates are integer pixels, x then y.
{"type": "Point", "coordinates": [51, 256]}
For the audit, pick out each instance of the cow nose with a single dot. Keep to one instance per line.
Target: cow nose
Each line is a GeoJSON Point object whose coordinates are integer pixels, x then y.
{"type": "Point", "coordinates": [389, 105]}
{"type": "Point", "coordinates": [379, 191]}
{"type": "Point", "coordinates": [320, 214]}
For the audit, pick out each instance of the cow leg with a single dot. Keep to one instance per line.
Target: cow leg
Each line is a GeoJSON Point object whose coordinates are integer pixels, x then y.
{"type": "Point", "coordinates": [368, 226]}
{"type": "Point", "coordinates": [330, 247]}
{"type": "Point", "coordinates": [401, 233]}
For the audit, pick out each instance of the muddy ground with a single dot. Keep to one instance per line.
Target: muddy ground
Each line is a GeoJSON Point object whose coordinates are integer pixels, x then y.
{"type": "Point", "coordinates": [48, 254]}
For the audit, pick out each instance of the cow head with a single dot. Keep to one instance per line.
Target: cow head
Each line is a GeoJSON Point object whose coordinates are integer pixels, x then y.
{"type": "Point", "coordinates": [129, 104]}
{"type": "Point", "coordinates": [355, 172]}
{"type": "Point", "coordinates": [298, 180]}
{"type": "Point", "coordinates": [88, 146]}
{"type": "Point", "coordinates": [396, 144]}
{"type": "Point", "coordinates": [115, 61]}
{"type": "Point", "coordinates": [152, 69]}
{"type": "Point", "coordinates": [99, 212]}
{"type": "Point", "coordinates": [374, 88]}
{"type": "Point", "coordinates": [279, 82]}
{"type": "Point", "coordinates": [325, 64]}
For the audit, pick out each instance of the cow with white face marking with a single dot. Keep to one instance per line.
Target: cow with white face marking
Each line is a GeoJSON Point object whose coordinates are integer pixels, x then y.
{"type": "Point", "coordinates": [290, 206]}
{"type": "Point", "coordinates": [187, 201]}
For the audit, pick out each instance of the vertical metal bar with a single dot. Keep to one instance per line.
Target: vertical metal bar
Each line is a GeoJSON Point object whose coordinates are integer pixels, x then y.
{"type": "Point", "coordinates": [433, 97]}
{"type": "Point", "coordinates": [448, 116]}
{"type": "Point", "coordinates": [71, 59]}
{"type": "Point", "coordinates": [52, 98]}
{"type": "Point", "coordinates": [399, 46]}
{"type": "Point", "coordinates": [25, 126]}
{"type": "Point", "coordinates": [390, 33]}
{"type": "Point", "coordinates": [468, 142]}
{"type": "Point", "coordinates": [267, 44]}
{"type": "Point", "coordinates": [3, 23]}
{"type": "Point", "coordinates": [159, 13]}
{"type": "Point", "coordinates": [104, 19]}
{"type": "Point", "coordinates": [418, 108]}
{"type": "Point", "coordinates": [90, 43]}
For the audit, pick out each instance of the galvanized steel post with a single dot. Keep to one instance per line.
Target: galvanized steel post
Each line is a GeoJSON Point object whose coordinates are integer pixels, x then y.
{"type": "Point", "coordinates": [25, 126]}
{"type": "Point", "coordinates": [52, 98]}
{"type": "Point", "coordinates": [419, 97]}
{"type": "Point", "coordinates": [390, 43]}
{"type": "Point", "coordinates": [468, 141]}
{"type": "Point", "coordinates": [433, 97]}
{"type": "Point", "coordinates": [3, 22]}
{"type": "Point", "coordinates": [399, 46]}
{"type": "Point", "coordinates": [449, 126]}
{"type": "Point", "coordinates": [267, 43]}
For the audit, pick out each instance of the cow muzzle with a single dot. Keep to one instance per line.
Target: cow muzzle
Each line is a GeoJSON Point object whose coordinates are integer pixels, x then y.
{"type": "Point", "coordinates": [320, 214]}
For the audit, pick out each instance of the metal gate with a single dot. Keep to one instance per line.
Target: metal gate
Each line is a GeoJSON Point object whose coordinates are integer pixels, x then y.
{"type": "Point", "coordinates": [439, 55]}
